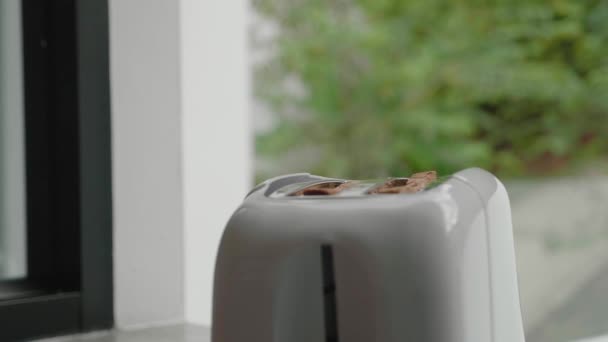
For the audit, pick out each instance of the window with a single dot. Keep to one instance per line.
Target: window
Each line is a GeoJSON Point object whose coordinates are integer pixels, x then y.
{"type": "Point", "coordinates": [12, 144]}
{"type": "Point", "coordinates": [369, 89]}
{"type": "Point", "coordinates": [55, 200]}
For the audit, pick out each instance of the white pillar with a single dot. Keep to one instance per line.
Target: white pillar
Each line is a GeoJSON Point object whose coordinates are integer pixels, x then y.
{"type": "Point", "coordinates": [147, 174]}
{"type": "Point", "coordinates": [216, 137]}
{"type": "Point", "coordinates": [181, 150]}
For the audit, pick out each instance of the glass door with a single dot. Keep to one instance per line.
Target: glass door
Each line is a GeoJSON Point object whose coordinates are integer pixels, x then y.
{"type": "Point", "coordinates": [55, 169]}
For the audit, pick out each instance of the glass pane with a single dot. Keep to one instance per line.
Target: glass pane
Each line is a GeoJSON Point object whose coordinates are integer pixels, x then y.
{"type": "Point", "coordinates": [12, 149]}
{"type": "Point", "coordinates": [561, 235]}
{"type": "Point", "coordinates": [362, 90]}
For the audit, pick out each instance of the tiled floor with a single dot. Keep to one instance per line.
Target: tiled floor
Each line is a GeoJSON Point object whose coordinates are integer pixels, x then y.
{"type": "Point", "coordinates": [175, 333]}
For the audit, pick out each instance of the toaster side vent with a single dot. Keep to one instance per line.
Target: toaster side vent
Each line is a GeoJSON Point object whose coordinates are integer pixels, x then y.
{"type": "Point", "coordinates": [329, 294]}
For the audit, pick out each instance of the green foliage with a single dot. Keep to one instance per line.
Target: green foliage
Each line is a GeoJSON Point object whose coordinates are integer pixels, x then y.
{"type": "Point", "coordinates": [394, 86]}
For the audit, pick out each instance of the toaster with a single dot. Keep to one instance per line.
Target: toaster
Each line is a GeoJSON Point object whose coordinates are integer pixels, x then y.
{"type": "Point", "coordinates": [314, 259]}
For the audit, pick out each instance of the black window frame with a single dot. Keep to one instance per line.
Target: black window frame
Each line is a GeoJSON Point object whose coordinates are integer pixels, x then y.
{"type": "Point", "coordinates": [68, 174]}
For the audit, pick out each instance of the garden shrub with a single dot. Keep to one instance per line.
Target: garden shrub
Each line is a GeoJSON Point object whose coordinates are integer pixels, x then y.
{"type": "Point", "coordinates": [389, 87]}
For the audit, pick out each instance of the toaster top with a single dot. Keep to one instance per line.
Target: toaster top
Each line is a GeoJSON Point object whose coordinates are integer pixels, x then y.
{"type": "Point", "coordinates": [305, 187]}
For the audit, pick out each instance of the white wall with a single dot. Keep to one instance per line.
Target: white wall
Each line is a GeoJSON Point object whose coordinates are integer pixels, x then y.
{"type": "Point", "coordinates": [146, 124]}
{"type": "Point", "coordinates": [216, 137]}
{"type": "Point", "coordinates": [180, 93]}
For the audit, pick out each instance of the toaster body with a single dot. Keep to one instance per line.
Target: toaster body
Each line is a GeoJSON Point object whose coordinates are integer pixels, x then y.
{"type": "Point", "coordinates": [433, 266]}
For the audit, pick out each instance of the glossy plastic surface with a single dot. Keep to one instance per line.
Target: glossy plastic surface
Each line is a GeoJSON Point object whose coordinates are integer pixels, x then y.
{"type": "Point", "coordinates": [434, 266]}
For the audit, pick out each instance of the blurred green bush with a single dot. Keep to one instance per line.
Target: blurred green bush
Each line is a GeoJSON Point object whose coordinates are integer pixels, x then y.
{"type": "Point", "coordinates": [387, 87]}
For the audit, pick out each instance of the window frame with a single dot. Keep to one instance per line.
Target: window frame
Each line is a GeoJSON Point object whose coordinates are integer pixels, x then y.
{"type": "Point", "coordinates": [69, 286]}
